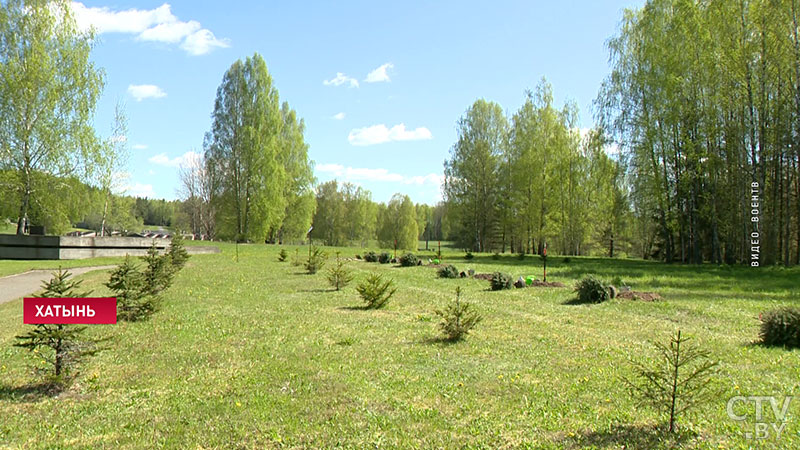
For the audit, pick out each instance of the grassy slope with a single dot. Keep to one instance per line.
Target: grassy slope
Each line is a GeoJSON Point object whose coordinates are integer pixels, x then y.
{"type": "Point", "coordinates": [257, 354]}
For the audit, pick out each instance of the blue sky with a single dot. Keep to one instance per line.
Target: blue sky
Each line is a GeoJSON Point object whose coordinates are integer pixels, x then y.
{"type": "Point", "coordinates": [380, 86]}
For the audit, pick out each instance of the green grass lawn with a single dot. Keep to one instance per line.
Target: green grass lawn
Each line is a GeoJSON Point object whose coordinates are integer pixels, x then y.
{"type": "Point", "coordinates": [255, 354]}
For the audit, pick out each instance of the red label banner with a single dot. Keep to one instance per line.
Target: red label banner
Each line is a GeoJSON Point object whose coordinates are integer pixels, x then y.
{"type": "Point", "coordinates": [87, 311]}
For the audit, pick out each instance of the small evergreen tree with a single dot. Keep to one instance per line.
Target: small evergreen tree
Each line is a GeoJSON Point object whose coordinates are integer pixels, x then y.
{"type": "Point", "coordinates": [375, 291]}
{"type": "Point", "coordinates": [448, 271]}
{"type": "Point", "coordinates": [128, 284]}
{"type": "Point", "coordinates": [677, 381]}
{"type": "Point", "coordinates": [458, 318]}
{"type": "Point", "coordinates": [60, 346]}
{"type": "Point", "coordinates": [339, 276]}
{"type": "Point", "coordinates": [297, 261]}
{"type": "Point", "coordinates": [500, 281]}
{"type": "Point", "coordinates": [282, 255]}
{"type": "Point", "coordinates": [316, 260]}
{"type": "Point", "coordinates": [409, 260]}
{"type": "Point", "coordinates": [157, 271]}
{"type": "Point", "coordinates": [177, 253]}
{"type": "Point", "coordinates": [591, 290]}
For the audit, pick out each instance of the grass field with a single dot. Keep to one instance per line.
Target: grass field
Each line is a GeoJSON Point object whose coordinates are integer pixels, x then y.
{"type": "Point", "coordinates": [253, 353]}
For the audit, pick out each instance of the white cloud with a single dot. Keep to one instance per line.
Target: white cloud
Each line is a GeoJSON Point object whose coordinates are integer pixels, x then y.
{"type": "Point", "coordinates": [139, 147]}
{"type": "Point", "coordinates": [202, 41]}
{"type": "Point", "coordinates": [143, 91]}
{"type": "Point", "coordinates": [341, 79]}
{"type": "Point", "coordinates": [155, 25]}
{"type": "Point", "coordinates": [379, 74]}
{"type": "Point", "coordinates": [379, 134]}
{"type": "Point", "coordinates": [355, 174]}
{"type": "Point", "coordinates": [339, 116]}
{"type": "Point", "coordinates": [140, 190]}
{"type": "Point", "coordinates": [427, 179]}
{"type": "Point", "coordinates": [151, 172]}
{"type": "Point", "coordinates": [162, 159]}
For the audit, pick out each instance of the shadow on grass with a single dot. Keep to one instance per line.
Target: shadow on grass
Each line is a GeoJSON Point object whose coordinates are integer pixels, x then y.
{"type": "Point", "coordinates": [355, 308]}
{"type": "Point", "coordinates": [440, 340]}
{"type": "Point", "coordinates": [577, 301]}
{"type": "Point", "coordinates": [318, 290]}
{"type": "Point", "coordinates": [30, 392]}
{"type": "Point", "coordinates": [630, 436]}
{"type": "Point", "coordinates": [770, 345]}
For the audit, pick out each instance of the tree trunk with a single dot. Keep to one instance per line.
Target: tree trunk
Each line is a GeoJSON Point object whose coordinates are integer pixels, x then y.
{"type": "Point", "coordinates": [23, 212]}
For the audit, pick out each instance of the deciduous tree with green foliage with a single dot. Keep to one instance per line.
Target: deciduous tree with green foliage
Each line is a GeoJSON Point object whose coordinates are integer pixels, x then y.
{"type": "Point", "coordinates": [256, 158]}
{"type": "Point", "coordinates": [48, 92]}
{"type": "Point", "coordinates": [472, 171]}
{"type": "Point", "coordinates": [398, 224]}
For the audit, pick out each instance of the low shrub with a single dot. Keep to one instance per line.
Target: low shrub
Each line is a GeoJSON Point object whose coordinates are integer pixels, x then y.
{"type": "Point", "coordinates": [458, 318]}
{"type": "Point", "coordinates": [448, 271]}
{"type": "Point", "coordinates": [283, 255]}
{"type": "Point", "coordinates": [409, 260]}
{"type": "Point", "coordinates": [469, 256]}
{"type": "Point", "coordinates": [371, 257]}
{"type": "Point", "coordinates": [375, 291]}
{"type": "Point", "coordinates": [781, 327]}
{"type": "Point", "coordinates": [591, 290]}
{"type": "Point", "coordinates": [384, 258]}
{"type": "Point", "coordinates": [495, 256]}
{"type": "Point", "coordinates": [501, 281]}
{"type": "Point", "coordinates": [567, 260]}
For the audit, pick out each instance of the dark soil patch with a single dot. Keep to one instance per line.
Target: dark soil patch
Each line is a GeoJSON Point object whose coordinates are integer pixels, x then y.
{"type": "Point", "coordinates": [537, 283]}
{"type": "Point", "coordinates": [643, 296]}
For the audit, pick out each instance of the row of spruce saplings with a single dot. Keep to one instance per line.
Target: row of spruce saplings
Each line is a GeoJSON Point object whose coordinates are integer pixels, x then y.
{"type": "Point", "coordinates": [458, 317]}
{"type": "Point", "coordinates": [678, 362]}
{"type": "Point", "coordinates": [138, 290]}
{"type": "Point", "coordinates": [778, 327]}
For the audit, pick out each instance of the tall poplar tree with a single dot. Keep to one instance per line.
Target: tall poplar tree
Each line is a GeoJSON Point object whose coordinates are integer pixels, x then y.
{"type": "Point", "coordinates": [471, 174]}
{"type": "Point", "coordinates": [257, 158]}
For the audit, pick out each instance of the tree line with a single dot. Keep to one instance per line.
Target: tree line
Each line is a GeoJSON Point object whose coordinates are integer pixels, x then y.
{"type": "Point", "coordinates": [702, 105]}
{"type": "Point", "coordinates": [704, 100]}
{"type": "Point", "coordinates": [531, 180]}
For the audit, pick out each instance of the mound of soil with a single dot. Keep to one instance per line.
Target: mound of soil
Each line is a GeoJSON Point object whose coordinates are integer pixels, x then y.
{"type": "Point", "coordinates": [537, 283]}
{"type": "Point", "coordinates": [643, 296]}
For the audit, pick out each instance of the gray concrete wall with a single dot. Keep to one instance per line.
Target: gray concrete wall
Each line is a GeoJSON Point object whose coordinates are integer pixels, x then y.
{"type": "Point", "coordinates": [73, 247]}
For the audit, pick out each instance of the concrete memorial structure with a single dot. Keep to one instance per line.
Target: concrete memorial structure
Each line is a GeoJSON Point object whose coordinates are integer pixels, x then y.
{"type": "Point", "coordinates": [74, 247]}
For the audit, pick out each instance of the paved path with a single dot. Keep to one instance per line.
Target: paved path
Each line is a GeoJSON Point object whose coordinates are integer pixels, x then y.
{"type": "Point", "coordinates": [16, 286]}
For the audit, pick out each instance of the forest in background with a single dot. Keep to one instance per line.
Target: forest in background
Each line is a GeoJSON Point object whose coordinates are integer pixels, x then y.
{"type": "Point", "coordinates": [695, 148]}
